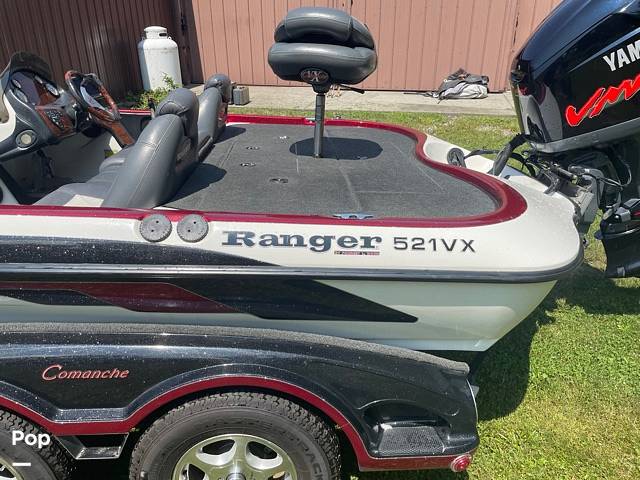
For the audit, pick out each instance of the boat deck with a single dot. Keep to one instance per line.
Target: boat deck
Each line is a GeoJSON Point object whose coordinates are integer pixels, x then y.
{"type": "Point", "coordinates": [257, 168]}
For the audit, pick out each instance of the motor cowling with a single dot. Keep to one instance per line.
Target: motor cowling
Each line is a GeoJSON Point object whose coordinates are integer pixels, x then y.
{"type": "Point", "coordinates": [576, 88]}
{"type": "Point", "coordinates": [576, 81]}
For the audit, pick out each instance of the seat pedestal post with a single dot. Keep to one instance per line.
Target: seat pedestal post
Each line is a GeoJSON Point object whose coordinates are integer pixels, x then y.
{"type": "Point", "coordinates": [318, 133]}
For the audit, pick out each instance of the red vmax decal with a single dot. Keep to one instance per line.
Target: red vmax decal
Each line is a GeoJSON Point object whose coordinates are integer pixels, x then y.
{"type": "Point", "coordinates": [601, 99]}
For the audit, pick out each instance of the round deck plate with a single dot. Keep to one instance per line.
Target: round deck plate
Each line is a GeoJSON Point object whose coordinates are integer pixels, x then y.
{"type": "Point", "coordinates": [155, 228]}
{"type": "Point", "coordinates": [192, 228]}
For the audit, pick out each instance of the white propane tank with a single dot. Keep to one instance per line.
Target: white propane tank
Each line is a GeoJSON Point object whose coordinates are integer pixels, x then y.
{"type": "Point", "coordinates": [158, 55]}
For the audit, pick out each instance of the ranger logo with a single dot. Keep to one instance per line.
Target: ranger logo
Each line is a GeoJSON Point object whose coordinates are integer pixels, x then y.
{"type": "Point", "coordinates": [315, 243]}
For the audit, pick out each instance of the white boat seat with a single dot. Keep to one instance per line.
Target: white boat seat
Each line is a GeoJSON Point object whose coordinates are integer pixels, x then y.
{"type": "Point", "coordinates": [148, 173]}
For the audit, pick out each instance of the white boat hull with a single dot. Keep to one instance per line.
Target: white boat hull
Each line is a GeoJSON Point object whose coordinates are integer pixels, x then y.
{"type": "Point", "coordinates": [450, 316]}
{"type": "Point", "coordinates": [458, 283]}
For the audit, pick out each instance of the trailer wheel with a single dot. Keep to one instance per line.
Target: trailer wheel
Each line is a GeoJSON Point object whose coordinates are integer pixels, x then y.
{"type": "Point", "coordinates": [47, 463]}
{"type": "Point", "coordinates": [237, 436]}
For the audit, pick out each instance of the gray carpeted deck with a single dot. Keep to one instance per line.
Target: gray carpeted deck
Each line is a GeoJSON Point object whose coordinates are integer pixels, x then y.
{"type": "Point", "coordinates": [270, 169]}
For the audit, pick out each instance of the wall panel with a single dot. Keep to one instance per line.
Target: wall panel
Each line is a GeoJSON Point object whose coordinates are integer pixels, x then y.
{"type": "Point", "coordinates": [419, 41]}
{"type": "Point", "coordinates": [99, 36]}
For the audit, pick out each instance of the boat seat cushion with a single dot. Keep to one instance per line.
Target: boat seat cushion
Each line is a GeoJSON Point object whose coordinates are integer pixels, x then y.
{"type": "Point", "coordinates": [222, 83]}
{"type": "Point", "coordinates": [323, 25]}
{"type": "Point", "coordinates": [148, 173]}
{"type": "Point", "coordinates": [211, 120]}
{"type": "Point", "coordinates": [183, 103]}
{"type": "Point", "coordinates": [326, 39]}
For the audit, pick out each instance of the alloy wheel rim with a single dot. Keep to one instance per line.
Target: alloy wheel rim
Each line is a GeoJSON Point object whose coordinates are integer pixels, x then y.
{"type": "Point", "coordinates": [7, 472]}
{"type": "Point", "coordinates": [235, 457]}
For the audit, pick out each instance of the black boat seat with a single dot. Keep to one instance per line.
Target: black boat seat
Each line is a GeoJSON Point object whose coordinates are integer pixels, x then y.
{"type": "Point", "coordinates": [216, 95]}
{"type": "Point", "coordinates": [148, 173]}
{"type": "Point", "coordinates": [322, 47]}
{"type": "Point", "coordinates": [332, 41]}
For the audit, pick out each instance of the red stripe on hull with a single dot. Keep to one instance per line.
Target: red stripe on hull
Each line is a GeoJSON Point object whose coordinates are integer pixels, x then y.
{"type": "Point", "coordinates": [138, 297]}
{"type": "Point", "coordinates": [510, 203]}
{"type": "Point", "coordinates": [365, 461]}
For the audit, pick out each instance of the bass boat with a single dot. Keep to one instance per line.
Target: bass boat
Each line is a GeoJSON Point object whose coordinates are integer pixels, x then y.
{"type": "Point", "coordinates": [191, 215]}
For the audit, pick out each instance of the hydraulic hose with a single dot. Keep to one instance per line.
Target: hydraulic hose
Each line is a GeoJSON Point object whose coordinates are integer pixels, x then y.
{"type": "Point", "coordinates": [505, 154]}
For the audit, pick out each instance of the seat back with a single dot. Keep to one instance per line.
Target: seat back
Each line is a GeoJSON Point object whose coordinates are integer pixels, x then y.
{"type": "Point", "coordinates": [214, 102]}
{"type": "Point", "coordinates": [164, 156]}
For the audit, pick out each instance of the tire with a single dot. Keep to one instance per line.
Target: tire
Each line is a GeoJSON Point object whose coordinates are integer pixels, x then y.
{"type": "Point", "coordinates": [303, 438]}
{"type": "Point", "coordinates": [49, 463]}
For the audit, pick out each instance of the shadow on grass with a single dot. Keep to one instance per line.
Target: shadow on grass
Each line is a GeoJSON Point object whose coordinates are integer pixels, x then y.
{"type": "Point", "coordinates": [589, 288]}
{"type": "Point", "coordinates": [503, 376]}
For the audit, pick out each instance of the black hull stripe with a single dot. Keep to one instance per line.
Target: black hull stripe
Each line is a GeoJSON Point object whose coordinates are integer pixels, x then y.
{"type": "Point", "coordinates": [97, 272]}
{"type": "Point", "coordinates": [275, 299]}
{"type": "Point", "coordinates": [72, 251]}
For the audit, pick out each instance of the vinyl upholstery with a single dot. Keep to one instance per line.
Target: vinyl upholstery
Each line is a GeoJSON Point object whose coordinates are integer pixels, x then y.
{"type": "Point", "coordinates": [149, 172]}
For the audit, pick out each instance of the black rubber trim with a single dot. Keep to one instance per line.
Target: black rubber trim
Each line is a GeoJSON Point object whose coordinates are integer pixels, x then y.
{"type": "Point", "coordinates": [17, 270]}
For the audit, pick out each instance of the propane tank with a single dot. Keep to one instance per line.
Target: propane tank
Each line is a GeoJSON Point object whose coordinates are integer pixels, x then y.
{"type": "Point", "coordinates": [158, 55]}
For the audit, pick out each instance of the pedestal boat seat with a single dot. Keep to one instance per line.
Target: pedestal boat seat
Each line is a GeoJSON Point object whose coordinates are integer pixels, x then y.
{"type": "Point", "coordinates": [322, 47]}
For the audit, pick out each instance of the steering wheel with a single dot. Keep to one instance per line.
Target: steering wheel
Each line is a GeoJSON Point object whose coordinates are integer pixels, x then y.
{"type": "Point", "coordinates": [91, 94]}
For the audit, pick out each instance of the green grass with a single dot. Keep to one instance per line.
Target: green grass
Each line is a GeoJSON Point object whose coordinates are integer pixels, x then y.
{"type": "Point", "coordinates": [560, 395]}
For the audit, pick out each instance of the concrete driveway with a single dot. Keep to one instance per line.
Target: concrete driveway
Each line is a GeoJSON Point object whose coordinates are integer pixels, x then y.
{"type": "Point", "coordinates": [303, 98]}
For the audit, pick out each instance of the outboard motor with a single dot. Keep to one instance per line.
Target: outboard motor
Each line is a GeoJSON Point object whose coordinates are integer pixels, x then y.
{"type": "Point", "coordinates": [576, 86]}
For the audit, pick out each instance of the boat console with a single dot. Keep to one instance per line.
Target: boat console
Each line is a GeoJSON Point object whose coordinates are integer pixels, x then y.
{"type": "Point", "coordinates": [35, 108]}
{"type": "Point", "coordinates": [43, 127]}
{"type": "Point", "coordinates": [44, 114]}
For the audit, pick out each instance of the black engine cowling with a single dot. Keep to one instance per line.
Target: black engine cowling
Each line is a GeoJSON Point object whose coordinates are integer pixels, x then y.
{"type": "Point", "coordinates": [575, 83]}
{"type": "Point", "coordinates": [576, 87]}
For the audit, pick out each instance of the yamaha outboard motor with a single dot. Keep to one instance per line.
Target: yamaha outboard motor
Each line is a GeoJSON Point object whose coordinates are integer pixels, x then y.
{"type": "Point", "coordinates": [576, 86]}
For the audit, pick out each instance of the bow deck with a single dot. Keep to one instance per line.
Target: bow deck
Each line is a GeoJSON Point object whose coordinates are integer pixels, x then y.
{"type": "Point", "coordinates": [257, 168]}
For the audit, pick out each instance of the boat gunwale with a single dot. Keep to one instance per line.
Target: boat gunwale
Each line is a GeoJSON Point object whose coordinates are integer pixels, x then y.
{"type": "Point", "coordinates": [510, 203]}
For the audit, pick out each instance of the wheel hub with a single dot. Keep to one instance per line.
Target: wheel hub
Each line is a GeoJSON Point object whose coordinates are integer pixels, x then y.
{"type": "Point", "coordinates": [235, 457]}
{"type": "Point", "coordinates": [7, 472]}
{"type": "Point", "coordinates": [236, 476]}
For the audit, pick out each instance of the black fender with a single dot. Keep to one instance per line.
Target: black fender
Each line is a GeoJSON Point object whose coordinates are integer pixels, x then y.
{"type": "Point", "coordinates": [83, 379]}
